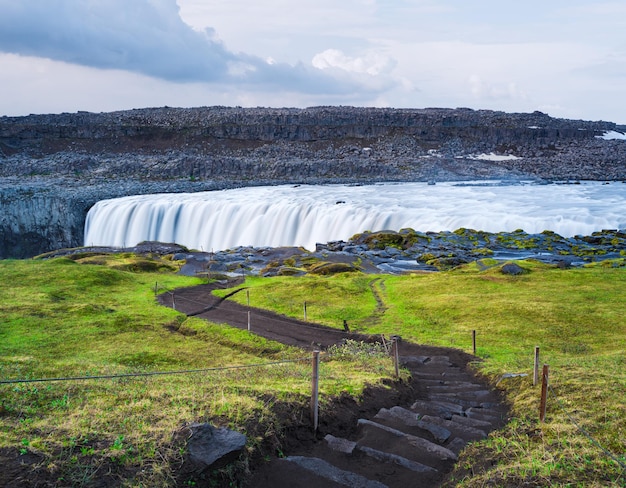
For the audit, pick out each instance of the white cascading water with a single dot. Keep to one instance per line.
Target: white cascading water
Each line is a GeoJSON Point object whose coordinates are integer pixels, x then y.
{"type": "Point", "coordinates": [307, 214]}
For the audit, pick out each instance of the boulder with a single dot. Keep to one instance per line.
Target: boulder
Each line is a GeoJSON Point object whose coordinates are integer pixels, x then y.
{"type": "Point", "coordinates": [210, 447]}
{"type": "Point", "coordinates": [512, 269]}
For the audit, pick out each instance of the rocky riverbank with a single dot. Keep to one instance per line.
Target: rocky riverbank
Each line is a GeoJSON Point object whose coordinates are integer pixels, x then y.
{"type": "Point", "coordinates": [53, 168]}
{"type": "Point", "coordinates": [390, 252]}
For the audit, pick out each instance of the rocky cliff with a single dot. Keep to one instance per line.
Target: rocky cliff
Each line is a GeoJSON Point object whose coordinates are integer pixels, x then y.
{"type": "Point", "coordinates": [54, 167]}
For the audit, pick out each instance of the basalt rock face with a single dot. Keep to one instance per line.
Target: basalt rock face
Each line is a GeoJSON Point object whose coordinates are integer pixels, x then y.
{"type": "Point", "coordinates": [54, 167]}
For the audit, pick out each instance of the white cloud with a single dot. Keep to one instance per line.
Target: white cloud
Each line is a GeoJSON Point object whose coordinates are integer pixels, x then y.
{"type": "Point", "coordinates": [482, 89]}
{"type": "Point", "coordinates": [142, 36]}
{"type": "Point", "coordinates": [566, 57]}
{"type": "Point", "coordinates": [146, 37]}
{"type": "Point", "coordinates": [371, 63]}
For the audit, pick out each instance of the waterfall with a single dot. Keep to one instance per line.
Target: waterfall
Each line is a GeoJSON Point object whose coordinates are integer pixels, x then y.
{"type": "Point", "coordinates": [304, 215]}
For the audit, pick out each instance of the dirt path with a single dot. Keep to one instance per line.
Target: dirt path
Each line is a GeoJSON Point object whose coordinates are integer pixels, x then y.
{"type": "Point", "coordinates": [408, 435]}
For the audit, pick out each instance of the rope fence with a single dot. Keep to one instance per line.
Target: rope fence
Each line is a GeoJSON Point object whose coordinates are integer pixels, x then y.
{"type": "Point", "coordinates": [314, 403]}
{"type": "Point", "coordinates": [149, 373]}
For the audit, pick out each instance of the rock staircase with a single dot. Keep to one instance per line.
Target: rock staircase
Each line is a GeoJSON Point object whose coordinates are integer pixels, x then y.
{"type": "Point", "coordinates": [399, 447]}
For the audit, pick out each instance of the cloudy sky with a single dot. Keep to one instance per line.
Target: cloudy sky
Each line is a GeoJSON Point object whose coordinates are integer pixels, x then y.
{"type": "Point", "coordinates": [564, 57]}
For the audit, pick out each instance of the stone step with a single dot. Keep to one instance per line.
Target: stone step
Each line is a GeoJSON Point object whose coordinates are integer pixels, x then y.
{"type": "Point", "coordinates": [460, 388]}
{"type": "Point", "coordinates": [438, 360]}
{"type": "Point", "coordinates": [374, 462]}
{"type": "Point", "coordinates": [413, 361]}
{"type": "Point", "coordinates": [459, 381]}
{"type": "Point", "coordinates": [323, 469]}
{"type": "Point", "coordinates": [464, 431]}
{"type": "Point", "coordinates": [424, 377]}
{"type": "Point", "coordinates": [489, 415]}
{"type": "Point", "coordinates": [409, 422]}
{"type": "Point", "coordinates": [427, 375]}
{"type": "Point", "coordinates": [439, 408]}
{"type": "Point", "coordinates": [339, 444]}
{"type": "Point", "coordinates": [465, 401]}
{"type": "Point", "coordinates": [457, 445]}
{"type": "Point", "coordinates": [378, 436]}
{"type": "Point", "coordinates": [343, 445]}
{"type": "Point", "coordinates": [478, 424]}
{"type": "Point", "coordinates": [401, 461]}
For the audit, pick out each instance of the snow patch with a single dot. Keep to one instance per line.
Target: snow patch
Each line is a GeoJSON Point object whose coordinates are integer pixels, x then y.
{"type": "Point", "coordinates": [494, 157]}
{"type": "Point", "coordinates": [611, 135]}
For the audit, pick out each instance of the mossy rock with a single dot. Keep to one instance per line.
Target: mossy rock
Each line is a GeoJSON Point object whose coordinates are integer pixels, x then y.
{"type": "Point", "coordinates": [213, 276]}
{"type": "Point", "coordinates": [447, 262]}
{"type": "Point", "coordinates": [426, 257]}
{"type": "Point", "coordinates": [331, 268]}
{"type": "Point", "coordinates": [270, 267]}
{"type": "Point", "coordinates": [387, 238]}
{"type": "Point", "coordinates": [517, 240]}
{"type": "Point", "coordinates": [609, 263]}
{"type": "Point", "coordinates": [382, 240]}
{"type": "Point", "coordinates": [289, 271]}
{"type": "Point", "coordinates": [145, 266]}
{"type": "Point", "coordinates": [481, 251]}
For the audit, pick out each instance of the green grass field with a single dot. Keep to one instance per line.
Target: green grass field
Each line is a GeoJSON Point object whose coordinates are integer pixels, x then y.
{"type": "Point", "coordinates": [60, 318]}
{"type": "Point", "coordinates": [575, 316]}
{"type": "Point", "coordinates": [99, 316]}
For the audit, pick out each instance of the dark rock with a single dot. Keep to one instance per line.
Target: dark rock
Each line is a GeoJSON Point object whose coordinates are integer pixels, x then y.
{"type": "Point", "coordinates": [512, 269]}
{"type": "Point", "coordinates": [211, 448]}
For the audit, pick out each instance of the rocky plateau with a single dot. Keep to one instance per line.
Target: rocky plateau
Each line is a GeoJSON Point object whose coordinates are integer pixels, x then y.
{"type": "Point", "coordinates": [53, 168]}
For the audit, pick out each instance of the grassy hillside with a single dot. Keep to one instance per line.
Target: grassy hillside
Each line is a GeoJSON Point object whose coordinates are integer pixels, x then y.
{"type": "Point", "coordinates": [575, 316]}
{"type": "Point", "coordinates": [97, 316]}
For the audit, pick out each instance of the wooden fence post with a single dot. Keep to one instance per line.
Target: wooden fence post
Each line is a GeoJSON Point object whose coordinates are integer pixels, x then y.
{"type": "Point", "coordinates": [248, 296]}
{"type": "Point", "coordinates": [156, 288]}
{"type": "Point", "coordinates": [474, 342]}
{"type": "Point", "coordinates": [536, 367]}
{"type": "Point", "coordinates": [315, 388]}
{"type": "Point", "coordinates": [396, 356]}
{"type": "Point", "coordinates": [305, 311]}
{"type": "Point", "coordinates": [544, 393]}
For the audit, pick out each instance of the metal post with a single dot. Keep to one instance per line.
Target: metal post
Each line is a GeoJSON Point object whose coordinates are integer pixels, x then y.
{"type": "Point", "coordinates": [248, 320]}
